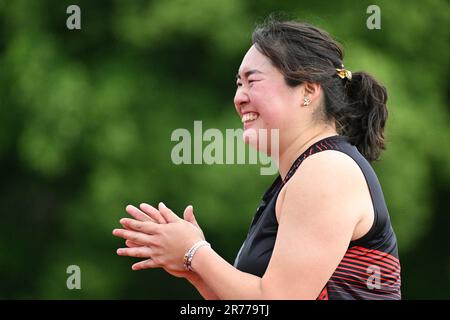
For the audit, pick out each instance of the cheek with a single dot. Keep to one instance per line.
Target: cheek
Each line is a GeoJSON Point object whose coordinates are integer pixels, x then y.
{"type": "Point", "coordinates": [272, 105]}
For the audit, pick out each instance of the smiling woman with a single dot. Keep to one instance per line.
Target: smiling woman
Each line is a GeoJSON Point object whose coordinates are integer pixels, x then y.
{"type": "Point", "coordinates": [322, 230]}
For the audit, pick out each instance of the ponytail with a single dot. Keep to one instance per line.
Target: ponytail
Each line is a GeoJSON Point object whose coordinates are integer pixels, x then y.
{"type": "Point", "coordinates": [356, 103]}
{"type": "Point", "coordinates": [365, 116]}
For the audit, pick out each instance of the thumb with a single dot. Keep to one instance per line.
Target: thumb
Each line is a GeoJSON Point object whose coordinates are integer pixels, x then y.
{"type": "Point", "coordinates": [189, 215]}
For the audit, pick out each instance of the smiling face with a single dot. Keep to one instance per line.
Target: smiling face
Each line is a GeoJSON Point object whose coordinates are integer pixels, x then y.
{"type": "Point", "coordinates": [263, 99]}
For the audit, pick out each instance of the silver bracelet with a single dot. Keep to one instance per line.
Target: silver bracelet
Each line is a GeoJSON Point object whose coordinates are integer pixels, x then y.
{"type": "Point", "coordinates": [190, 253]}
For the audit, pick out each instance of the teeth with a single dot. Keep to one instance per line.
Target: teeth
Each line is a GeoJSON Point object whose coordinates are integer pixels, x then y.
{"type": "Point", "coordinates": [249, 116]}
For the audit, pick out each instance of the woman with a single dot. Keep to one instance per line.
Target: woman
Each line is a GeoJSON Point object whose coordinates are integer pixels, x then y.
{"type": "Point", "coordinates": [322, 230]}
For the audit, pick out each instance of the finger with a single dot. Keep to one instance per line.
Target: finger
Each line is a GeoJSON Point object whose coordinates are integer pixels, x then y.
{"type": "Point", "coordinates": [131, 244]}
{"type": "Point", "coordinates": [127, 228]}
{"type": "Point", "coordinates": [189, 215]}
{"type": "Point", "coordinates": [146, 264]}
{"type": "Point", "coordinates": [167, 213]}
{"type": "Point", "coordinates": [138, 252]}
{"type": "Point", "coordinates": [137, 214]}
{"type": "Point", "coordinates": [147, 227]}
{"type": "Point", "coordinates": [153, 213]}
{"type": "Point", "coordinates": [136, 237]}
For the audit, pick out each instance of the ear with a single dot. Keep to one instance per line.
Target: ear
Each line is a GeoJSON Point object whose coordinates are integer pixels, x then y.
{"type": "Point", "coordinates": [312, 91]}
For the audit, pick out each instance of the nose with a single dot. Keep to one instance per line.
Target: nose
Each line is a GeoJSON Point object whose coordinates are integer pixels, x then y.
{"type": "Point", "coordinates": [240, 99]}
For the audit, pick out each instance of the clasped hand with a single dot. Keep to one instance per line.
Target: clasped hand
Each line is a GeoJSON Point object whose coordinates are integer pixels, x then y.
{"type": "Point", "coordinates": [160, 236]}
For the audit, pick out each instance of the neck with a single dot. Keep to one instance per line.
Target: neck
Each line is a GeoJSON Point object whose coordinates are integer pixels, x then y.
{"type": "Point", "coordinates": [295, 148]}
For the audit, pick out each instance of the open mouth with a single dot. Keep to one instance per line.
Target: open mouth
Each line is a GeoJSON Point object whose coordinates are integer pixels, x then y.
{"type": "Point", "coordinates": [250, 116]}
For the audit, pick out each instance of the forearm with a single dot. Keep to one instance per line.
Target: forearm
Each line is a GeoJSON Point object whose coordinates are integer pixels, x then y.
{"type": "Point", "coordinates": [223, 279]}
{"type": "Point", "coordinates": [202, 288]}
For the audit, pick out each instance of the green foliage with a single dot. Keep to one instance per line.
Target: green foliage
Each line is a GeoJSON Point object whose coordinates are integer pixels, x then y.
{"type": "Point", "coordinates": [86, 118]}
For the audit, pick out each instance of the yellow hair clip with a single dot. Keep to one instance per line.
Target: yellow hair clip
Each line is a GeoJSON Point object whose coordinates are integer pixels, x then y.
{"type": "Point", "coordinates": [343, 73]}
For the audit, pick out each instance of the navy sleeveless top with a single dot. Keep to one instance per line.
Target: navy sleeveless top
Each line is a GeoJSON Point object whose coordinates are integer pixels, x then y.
{"type": "Point", "coordinates": [370, 268]}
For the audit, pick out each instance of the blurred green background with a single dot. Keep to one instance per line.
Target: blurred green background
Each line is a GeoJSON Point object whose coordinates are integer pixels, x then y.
{"type": "Point", "coordinates": [86, 119]}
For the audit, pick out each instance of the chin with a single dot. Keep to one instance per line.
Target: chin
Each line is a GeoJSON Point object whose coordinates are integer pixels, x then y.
{"type": "Point", "coordinates": [260, 139]}
{"type": "Point", "coordinates": [250, 137]}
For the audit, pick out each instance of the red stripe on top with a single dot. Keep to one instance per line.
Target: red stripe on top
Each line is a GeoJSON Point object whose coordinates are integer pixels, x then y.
{"type": "Point", "coordinates": [330, 145]}
{"type": "Point", "coordinates": [374, 257]}
{"type": "Point", "coordinates": [364, 283]}
{"type": "Point", "coordinates": [376, 252]}
{"type": "Point", "coordinates": [350, 279]}
{"type": "Point", "coordinates": [388, 277]}
{"type": "Point", "coordinates": [323, 295]}
{"type": "Point", "coordinates": [364, 276]}
{"type": "Point", "coordinates": [370, 263]}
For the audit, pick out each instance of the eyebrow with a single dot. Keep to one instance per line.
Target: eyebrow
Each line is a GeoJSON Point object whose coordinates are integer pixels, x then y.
{"type": "Point", "coordinates": [247, 73]}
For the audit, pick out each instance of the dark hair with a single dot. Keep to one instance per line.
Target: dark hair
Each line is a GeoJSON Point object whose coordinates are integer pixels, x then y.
{"type": "Point", "coordinates": [304, 53]}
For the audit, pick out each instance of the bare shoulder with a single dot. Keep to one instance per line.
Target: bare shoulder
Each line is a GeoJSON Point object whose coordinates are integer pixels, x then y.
{"type": "Point", "coordinates": [332, 162]}
{"type": "Point", "coordinates": [328, 178]}
{"type": "Point", "coordinates": [319, 213]}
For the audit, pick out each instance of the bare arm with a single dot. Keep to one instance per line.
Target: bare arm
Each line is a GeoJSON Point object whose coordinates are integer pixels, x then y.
{"type": "Point", "coordinates": [317, 220]}
{"type": "Point", "coordinates": [228, 282]}
{"type": "Point", "coordinates": [202, 287]}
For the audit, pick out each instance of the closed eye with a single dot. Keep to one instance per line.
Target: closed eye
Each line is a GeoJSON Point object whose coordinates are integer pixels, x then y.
{"type": "Point", "coordinates": [239, 84]}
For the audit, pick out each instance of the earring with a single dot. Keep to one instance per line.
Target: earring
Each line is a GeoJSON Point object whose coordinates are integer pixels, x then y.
{"type": "Point", "coordinates": [306, 101]}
